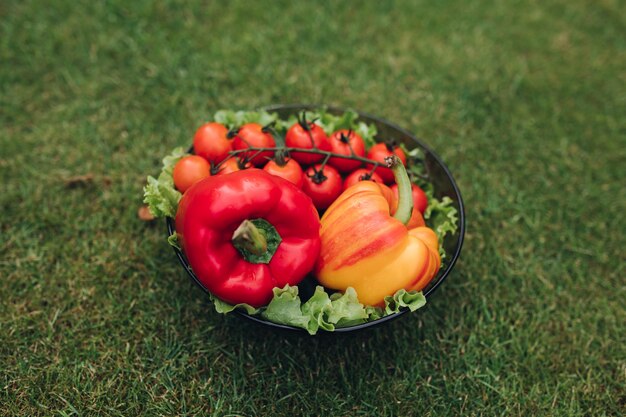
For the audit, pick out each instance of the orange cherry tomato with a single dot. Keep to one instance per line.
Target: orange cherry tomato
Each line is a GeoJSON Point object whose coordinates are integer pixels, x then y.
{"type": "Point", "coordinates": [233, 164]}
{"type": "Point", "coordinates": [189, 170]}
{"type": "Point", "coordinates": [290, 171]}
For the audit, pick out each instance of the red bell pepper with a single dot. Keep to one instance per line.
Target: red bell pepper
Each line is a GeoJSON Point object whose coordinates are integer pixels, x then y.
{"type": "Point", "coordinates": [247, 232]}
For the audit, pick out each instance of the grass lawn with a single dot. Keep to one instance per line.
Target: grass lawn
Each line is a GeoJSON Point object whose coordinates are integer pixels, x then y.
{"type": "Point", "coordinates": [525, 101]}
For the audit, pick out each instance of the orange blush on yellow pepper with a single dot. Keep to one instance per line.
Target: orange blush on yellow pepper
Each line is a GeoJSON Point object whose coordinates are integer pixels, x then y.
{"type": "Point", "coordinates": [365, 243]}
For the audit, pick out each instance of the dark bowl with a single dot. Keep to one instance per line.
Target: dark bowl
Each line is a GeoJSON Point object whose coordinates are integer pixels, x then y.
{"type": "Point", "coordinates": [438, 174]}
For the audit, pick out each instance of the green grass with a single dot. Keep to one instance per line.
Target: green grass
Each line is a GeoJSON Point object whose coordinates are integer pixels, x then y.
{"type": "Point", "coordinates": [525, 101]}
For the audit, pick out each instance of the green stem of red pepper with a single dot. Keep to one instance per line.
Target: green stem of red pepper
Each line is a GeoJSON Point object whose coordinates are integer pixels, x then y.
{"type": "Point", "coordinates": [256, 240]}
{"type": "Point", "coordinates": [405, 194]}
{"type": "Point", "coordinates": [247, 236]}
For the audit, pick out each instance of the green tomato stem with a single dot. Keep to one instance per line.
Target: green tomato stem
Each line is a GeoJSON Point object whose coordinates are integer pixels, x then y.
{"type": "Point", "coordinates": [304, 150]}
{"type": "Point", "coordinates": [405, 192]}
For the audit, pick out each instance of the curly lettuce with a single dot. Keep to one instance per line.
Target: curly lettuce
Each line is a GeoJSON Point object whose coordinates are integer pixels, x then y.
{"type": "Point", "coordinates": [233, 119]}
{"type": "Point", "coordinates": [159, 193]}
{"type": "Point", "coordinates": [442, 217]}
{"type": "Point", "coordinates": [323, 311]}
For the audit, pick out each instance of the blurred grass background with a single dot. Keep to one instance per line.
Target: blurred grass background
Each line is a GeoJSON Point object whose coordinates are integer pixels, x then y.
{"type": "Point", "coordinates": [525, 101]}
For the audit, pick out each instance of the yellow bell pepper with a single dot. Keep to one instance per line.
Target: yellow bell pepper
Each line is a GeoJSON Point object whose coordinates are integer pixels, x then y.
{"type": "Point", "coordinates": [366, 245]}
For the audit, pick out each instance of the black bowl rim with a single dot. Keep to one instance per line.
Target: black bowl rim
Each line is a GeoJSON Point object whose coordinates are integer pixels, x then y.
{"type": "Point", "coordinates": [370, 324]}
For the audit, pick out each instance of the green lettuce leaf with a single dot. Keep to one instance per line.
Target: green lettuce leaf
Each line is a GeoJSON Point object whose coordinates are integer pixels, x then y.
{"type": "Point", "coordinates": [346, 309]}
{"type": "Point", "coordinates": [282, 125]}
{"type": "Point", "coordinates": [223, 307]}
{"type": "Point", "coordinates": [322, 311]}
{"type": "Point", "coordinates": [316, 309]}
{"type": "Point", "coordinates": [170, 160]}
{"type": "Point", "coordinates": [401, 299]}
{"type": "Point", "coordinates": [233, 119]}
{"type": "Point", "coordinates": [367, 132]}
{"type": "Point", "coordinates": [159, 193]}
{"type": "Point", "coordinates": [331, 123]}
{"type": "Point", "coordinates": [285, 308]}
{"type": "Point", "coordinates": [374, 313]}
{"type": "Point", "coordinates": [441, 216]}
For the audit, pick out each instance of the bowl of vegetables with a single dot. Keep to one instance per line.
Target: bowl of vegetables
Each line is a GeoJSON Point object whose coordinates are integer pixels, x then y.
{"type": "Point", "coordinates": [310, 218]}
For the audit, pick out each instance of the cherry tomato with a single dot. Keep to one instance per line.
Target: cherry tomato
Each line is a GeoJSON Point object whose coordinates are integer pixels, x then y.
{"type": "Point", "coordinates": [253, 135]}
{"type": "Point", "coordinates": [232, 165]}
{"type": "Point", "coordinates": [307, 135]}
{"type": "Point", "coordinates": [379, 152]}
{"type": "Point", "coordinates": [211, 142]}
{"type": "Point", "coordinates": [290, 171]}
{"type": "Point", "coordinates": [346, 142]}
{"type": "Point", "coordinates": [189, 170]}
{"type": "Point", "coordinates": [420, 201]}
{"type": "Point", "coordinates": [361, 174]}
{"type": "Point", "coordinates": [323, 185]}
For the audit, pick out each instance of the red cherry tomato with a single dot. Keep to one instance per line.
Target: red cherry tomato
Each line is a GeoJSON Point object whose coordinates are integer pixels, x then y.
{"type": "Point", "coordinates": [361, 174]}
{"type": "Point", "coordinates": [346, 142]}
{"type": "Point", "coordinates": [420, 201]}
{"type": "Point", "coordinates": [379, 152]}
{"type": "Point", "coordinates": [290, 171]}
{"type": "Point", "coordinates": [322, 185]}
{"type": "Point", "coordinates": [211, 142]}
{"type": "Point", "coordinates": [232, 165]}
{"type": "Point", "coordinates": [189, 170]}
{"type": "Point", "coordinates": [307, 135]}
{"type": "Point", "coordinates": [252, 135]}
